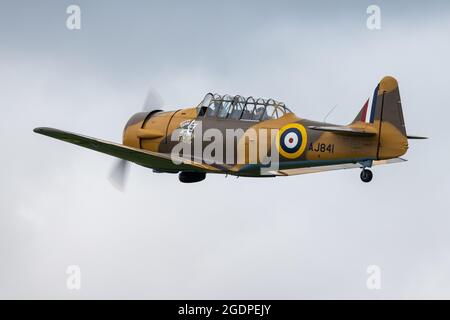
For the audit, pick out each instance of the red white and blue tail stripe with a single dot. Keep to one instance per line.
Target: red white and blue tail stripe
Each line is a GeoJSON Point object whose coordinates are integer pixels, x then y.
{"type": "Point", "coordinates": [369, 108]}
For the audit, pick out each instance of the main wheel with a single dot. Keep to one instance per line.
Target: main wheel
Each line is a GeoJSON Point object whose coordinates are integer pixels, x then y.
{"type": "Point", "coordinates": [191, 177]}
{"type": "Point", "coordinates": [366, 175]}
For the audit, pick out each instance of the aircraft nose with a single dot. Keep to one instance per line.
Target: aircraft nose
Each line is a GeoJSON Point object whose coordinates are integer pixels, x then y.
{"type": "Point", "coordinates": [130, 136]}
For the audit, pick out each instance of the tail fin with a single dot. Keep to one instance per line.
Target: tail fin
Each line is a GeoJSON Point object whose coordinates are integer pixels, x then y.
{"type": "Point", "coordinates": [383, 112]}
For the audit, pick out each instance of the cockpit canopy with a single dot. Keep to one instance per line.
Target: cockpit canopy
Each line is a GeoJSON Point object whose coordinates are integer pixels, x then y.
{"type": "Point", "coordinates": [241, 108]}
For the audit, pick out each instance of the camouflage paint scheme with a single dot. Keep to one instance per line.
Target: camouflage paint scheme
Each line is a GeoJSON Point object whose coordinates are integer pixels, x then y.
{"type": "Point", "coordinates": [147, 139]}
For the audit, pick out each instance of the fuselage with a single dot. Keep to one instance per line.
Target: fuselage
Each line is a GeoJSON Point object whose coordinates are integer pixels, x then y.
{"type": "Point", "coordinates": [155, 131]}
{"type": "Point", "coordinates": [255, 137]}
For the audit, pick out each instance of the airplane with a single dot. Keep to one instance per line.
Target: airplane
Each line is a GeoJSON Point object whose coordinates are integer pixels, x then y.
{"type": "Point", "coordinates": [376, 136]}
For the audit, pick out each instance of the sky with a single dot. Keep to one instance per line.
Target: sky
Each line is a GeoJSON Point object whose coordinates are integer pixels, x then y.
{"type": "Point", "coordinates": [300, 237]}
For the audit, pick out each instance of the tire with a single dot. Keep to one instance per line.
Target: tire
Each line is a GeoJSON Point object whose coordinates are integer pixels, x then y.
{"type": "Point", "coordinates": [366, 175]}
{"type": "Point", "coordinates": [191, 177]}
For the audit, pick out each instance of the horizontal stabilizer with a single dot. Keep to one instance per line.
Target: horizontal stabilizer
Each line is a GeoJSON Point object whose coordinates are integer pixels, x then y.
{"type": "Point", "coordinates": [350, 165]}
{"type": "Point", "coordinates": [344, 130]}
{"type": "Point", "coordinates": [416, 137]}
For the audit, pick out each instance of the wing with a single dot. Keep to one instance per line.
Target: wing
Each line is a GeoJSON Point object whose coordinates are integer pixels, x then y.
{"type": "Point", "coordinates": [154, 160]}
{"type": "Point", "coordinates": [344, 130]}
{"type": "Point", "coordinates": [297, 171]}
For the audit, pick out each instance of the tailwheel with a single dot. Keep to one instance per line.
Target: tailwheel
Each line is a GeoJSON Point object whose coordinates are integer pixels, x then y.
{"type": "Point", "coordinates": [366, 175]}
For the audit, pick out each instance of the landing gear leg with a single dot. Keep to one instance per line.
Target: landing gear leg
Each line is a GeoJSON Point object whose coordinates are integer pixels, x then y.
{"type": "Point", "coordinates": [366, 175]}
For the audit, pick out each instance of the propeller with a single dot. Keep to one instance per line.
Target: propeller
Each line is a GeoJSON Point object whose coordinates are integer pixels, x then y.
{"type": "Point", "coordinates": [119, 172]}
{"type": "Point", "coordinates": [153, 100]}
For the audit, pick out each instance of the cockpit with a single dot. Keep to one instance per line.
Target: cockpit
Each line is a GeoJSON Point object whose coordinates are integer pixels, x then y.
{"type": "Point", "coordinates": [241, 108]}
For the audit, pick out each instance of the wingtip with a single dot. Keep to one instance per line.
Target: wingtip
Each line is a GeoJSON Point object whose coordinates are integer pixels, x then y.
{"type": "Point", "coordinates": [38, 130]}
{"type": "Point", "coordinates": [43, 130]}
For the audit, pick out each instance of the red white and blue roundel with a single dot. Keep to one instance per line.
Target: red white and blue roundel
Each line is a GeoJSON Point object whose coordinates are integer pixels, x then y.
{"type": "Point", "coordinates": [292, 140]}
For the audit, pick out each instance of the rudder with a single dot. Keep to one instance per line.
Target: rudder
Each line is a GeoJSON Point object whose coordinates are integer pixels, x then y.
{"type": "Point", "coordinates": [383, 112]}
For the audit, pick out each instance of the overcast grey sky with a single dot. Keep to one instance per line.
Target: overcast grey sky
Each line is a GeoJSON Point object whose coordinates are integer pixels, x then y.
{"type": "Point", "coordinates": [309, 236]}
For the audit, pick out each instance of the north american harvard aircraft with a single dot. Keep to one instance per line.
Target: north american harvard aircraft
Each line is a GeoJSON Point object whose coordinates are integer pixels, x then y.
{"type": "Point", "coordinates": [376, 136]}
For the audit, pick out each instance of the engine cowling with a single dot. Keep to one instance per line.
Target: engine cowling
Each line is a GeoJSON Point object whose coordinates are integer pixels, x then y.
{"type": "Point", "coordinates": [132, 133]}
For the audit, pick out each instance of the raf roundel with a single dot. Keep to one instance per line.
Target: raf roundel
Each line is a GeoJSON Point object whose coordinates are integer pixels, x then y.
{"type": "Point", "coordinates": [292, 140]}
